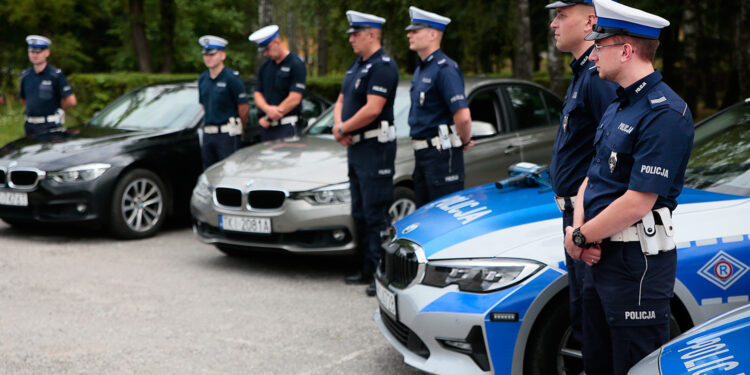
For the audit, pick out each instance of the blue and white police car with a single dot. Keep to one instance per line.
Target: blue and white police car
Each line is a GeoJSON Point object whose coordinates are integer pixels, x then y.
{"type": "Point", "coordinates": [718, 346]}
{"type": "Point", "coordinates": [475, 282]}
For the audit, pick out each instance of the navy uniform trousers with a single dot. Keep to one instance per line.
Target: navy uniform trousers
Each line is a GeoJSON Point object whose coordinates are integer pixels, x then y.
{"type": "Point", "coordinates": [38, 129]}
{"type": "Point", "coordinates": [576, 270]}
{"type": "Point", "coordinates": [371, 167]}
{"type": "Point", "coordinates": [216, 147]}
{"type": "Point", "coordinates": [278, 131]}
{"type": "Point", "coordinates": [626, 295]}
{"type": "Point", "coordinates": [437, 173]}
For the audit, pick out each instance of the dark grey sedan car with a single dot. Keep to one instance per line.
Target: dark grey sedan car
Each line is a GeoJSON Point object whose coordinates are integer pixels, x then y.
{"type": "Point", "coordinates": [293, 194]}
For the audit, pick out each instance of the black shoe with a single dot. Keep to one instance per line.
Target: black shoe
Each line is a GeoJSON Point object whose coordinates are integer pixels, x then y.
{"type": "Point", "coordinates": [370, 291]}
{"type": "Point", "coordinates": [358, 278]}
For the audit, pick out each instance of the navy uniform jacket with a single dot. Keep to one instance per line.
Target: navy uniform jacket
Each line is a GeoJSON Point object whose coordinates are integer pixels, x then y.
{"type": "Point", "coordinates": [221, 96]}
{"type": "Point", "coordinates": [437, 92]}
{"type": "Point", "coordinates": [43, 92]}
{"type": "Point", "coordinates": [587, 98]}
{"type": "Point", "coordinates": [378, 75]}
{"type": "Point", "coordinates": [643, 143]}
{"type": "Point", "coordinates": [276, 81]}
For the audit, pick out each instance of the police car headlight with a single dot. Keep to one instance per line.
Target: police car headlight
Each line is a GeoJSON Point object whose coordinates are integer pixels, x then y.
{"type": "Point", "coordinates": [202, 188]}
{"type": "Point", "coordinates": [479, 275]}
{"type": "Point", "coordinates": [79, 173]}
{"type": "Point", "coordinates": [333, 194]}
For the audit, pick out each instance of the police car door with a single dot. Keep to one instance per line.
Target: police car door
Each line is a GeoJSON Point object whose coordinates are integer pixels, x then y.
{"type": "Point", "coordinates": [493, 150]}
{"type": "Point", "coordinates": [535, 114]}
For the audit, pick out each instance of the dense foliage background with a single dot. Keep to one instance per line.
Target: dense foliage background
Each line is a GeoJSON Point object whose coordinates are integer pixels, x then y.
{"type": "Point", "coordinates": [705, 52]}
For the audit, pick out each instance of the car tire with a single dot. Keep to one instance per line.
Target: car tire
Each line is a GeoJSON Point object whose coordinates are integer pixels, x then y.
{"type": "Point", "coordinates": [551, 348]}
{"type": "Point", "coordinates": [139, 205]}
{"type": "Point", "coordinates": [403, 203]}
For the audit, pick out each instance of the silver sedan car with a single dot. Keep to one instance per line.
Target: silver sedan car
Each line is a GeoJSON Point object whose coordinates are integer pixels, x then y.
{"type": "Point", "coordinates": [293, 194]}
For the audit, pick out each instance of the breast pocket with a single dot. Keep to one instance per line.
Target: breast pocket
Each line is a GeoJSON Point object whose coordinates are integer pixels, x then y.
{"type": "Point", "coordinates": [282, 79]}
{"type": "Point", "coordinates": [620, 157]}
{"type": "Point", "coordinates": [45, 92]}
{"type": "Point", "coordinates": [360, 83]}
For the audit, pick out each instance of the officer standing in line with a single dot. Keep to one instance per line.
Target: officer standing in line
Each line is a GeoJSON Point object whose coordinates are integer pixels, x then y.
{"type": "Point", "coordinates": [281, 83]}
{"type": "Point", "coordinates": [224, 100]}
{"type": "Point", "coordinates": [363, 121]}
{"type": "Point", "coordinates": [439, 116]}
{"type": "Point", "coordinates": [623, 208]}
{"type": "Point", "coordinates": [44, 90]}
{"type": "Point", "coordinates": [585, 102]}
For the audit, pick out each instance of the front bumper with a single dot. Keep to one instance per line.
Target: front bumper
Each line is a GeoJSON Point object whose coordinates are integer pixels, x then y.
{"type": "Point", "coordinates": [52, 202]}
{"type": "Point", "coordinates": [297, 226]}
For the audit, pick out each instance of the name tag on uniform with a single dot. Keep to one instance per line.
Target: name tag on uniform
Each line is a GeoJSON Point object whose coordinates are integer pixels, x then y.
{"type": "Point", "coordinates": [46, 82]}
{"type": "Point", "coordinates": [427, 80]}
{"type": "Point", "coordinates": [284, 68]}
{"type": "Point", "coordinates": [221, 84]}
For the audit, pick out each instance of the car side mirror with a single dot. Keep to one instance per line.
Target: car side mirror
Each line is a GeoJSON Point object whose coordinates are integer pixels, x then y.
{"type": "Point", "coordinates": [482, 129]}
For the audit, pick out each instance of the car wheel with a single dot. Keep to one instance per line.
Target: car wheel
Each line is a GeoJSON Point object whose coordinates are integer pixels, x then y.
{"type": "Point", "coordinates": [138, 205]}
{"type": "Point", "coordinates": [552, 348]}
{"type": "Point", "coordinates": [403, 203]}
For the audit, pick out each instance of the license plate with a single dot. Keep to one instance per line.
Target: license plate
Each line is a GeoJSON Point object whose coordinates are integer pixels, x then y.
{"type": "Point", "coordinates": [245, 224]}
{"type": "Point", "coordinates": [386, 298]}
{"type": "Point", "coordinates": [14, 199]}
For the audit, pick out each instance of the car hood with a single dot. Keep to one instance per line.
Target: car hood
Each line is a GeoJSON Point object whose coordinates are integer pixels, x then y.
{"type": "Point", "coordinates": [76, 145]}
{"type": "Point", "coordinates": [718, 344]}
{"type": "Point", "coordinates": [292, 164]}
{"type": "Point", "coordinates": [486, 221]}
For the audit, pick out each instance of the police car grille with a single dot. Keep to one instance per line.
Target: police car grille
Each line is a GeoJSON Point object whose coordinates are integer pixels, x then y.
{"type": "Point", "coordinates": [405, 336]}
{"type": "Point", "coordinates": [229, 197]}
{"type": "Point", "coordinates": [399, 268]}
{"type": "Point", "coordinates": [266, 199]}
{"type": "Point", "coordinates": [23, 179]}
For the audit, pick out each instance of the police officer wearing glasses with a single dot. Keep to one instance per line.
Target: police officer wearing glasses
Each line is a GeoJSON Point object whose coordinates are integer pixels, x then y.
{"type": "Point", "coordinates": [587, 98]}
{"type": "Point", "coordinates": [439, 117]}
{"type": "Point", "coordinates": [44, 90]}
{"type": "Point", "coordinates": [363, 121]}
{"type": "Point", "coordinates": [281, 83]}
{"type": "Point", "coordinates": [224, 100]}
{"type": "Point", "coordinates": [623, 208]}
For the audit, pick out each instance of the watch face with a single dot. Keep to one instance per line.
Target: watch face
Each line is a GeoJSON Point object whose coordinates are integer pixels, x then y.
{"type": "Point", "coordinates": [578, 238]}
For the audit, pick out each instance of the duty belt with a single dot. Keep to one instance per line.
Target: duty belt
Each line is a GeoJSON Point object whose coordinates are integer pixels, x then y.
{"type": "Point", "coordinates": [42, 119]}
{"type": "Point", "coordinates": [288, 120]}
{"type": "Point", "coordinates": [421, 144]}
{"type": "Point", "coordinates": [213, 129]}
{"type": "Point", "coordinates": [369, 134]}
{"type": "Point", "coordinates": [561, 202]}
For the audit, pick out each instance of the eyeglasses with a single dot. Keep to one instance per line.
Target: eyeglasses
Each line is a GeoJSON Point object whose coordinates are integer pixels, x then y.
{"type": "Point", "coordinates": [598, 47]}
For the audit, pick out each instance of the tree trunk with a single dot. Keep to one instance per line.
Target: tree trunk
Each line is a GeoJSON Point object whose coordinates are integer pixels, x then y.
{"type": "Point", "coordinates": [138, 33]}
{"type": "Point", "coordinates": [690, 27]}
{"type": "Point", "coordinates": [168, 21]}
{"type": "Point", "coordinates": [555, 64]}
{"type": "Point", "coordinates": [742, 49]}
{"type": "Point", "coordinates": [265, 18]}
{"type": "Point", "coordinates": [523, 60]}
{"type": "Point", "coordinates": [322, 18]}
{"type": "Point", "coordinates": [292, 31]}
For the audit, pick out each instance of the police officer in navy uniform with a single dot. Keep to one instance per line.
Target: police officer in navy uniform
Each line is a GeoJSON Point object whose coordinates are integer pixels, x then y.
{"type": "Point", "coordinates": [363, 121]}
{"type": "Point", "coordinates": [224, 100]}
{"type": "Point", "coordinates": [585, 102]}
{"type": "Point", "coordinates": [623, 208]}
{"type": "Point", "coordinates": [281, 83]}
{"type": "Point", "coordinates": [439, 116]}
{"type": "Point", "coordinates": [44, 90]}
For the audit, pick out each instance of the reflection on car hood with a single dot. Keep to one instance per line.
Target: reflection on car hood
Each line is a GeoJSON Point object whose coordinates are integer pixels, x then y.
{"type": "Point", "coordinates": [292, 164]}
{"type": "Point", "coordinates": [487, 221]}
{"type": "Point", "coordinates": [720, 342]}
{"type": "Point", "coordinates": [76, 145]}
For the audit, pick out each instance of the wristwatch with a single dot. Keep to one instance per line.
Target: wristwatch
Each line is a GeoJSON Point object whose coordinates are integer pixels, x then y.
{"type": "Point", "coordinates": [341, 130]}
{"type": "Point", "coordinates": [579, 239]}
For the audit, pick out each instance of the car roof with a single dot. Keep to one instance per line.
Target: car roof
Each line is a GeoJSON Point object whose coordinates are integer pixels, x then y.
{"type": "Point", "coordinates": [473, 83]}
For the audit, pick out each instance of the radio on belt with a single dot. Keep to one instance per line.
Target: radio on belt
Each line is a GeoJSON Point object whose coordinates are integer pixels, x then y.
{"type": "Point", "coordinates": [445, 138]}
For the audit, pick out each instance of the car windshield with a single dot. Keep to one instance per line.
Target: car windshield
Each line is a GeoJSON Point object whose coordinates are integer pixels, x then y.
{"type": "Point", "coordinates": [324, 124]}
{"type": "Point", "coordinates": [153, 107]}
{"type": "Point", "coordinates": [720, 160]}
